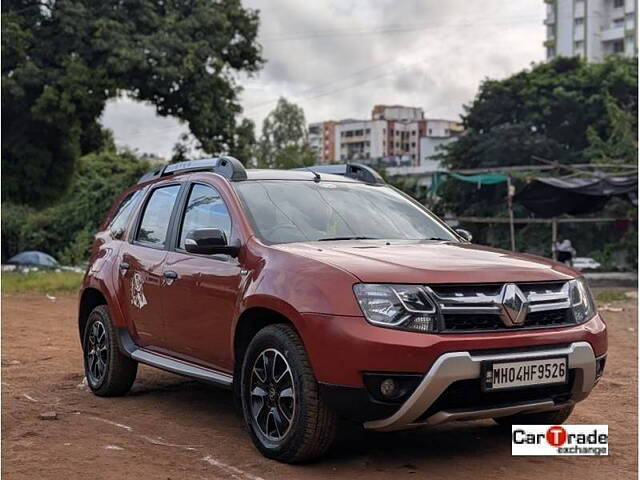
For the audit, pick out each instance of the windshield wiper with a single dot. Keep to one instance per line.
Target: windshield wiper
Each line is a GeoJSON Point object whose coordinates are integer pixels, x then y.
{"type": "Point", "coordinates": [328, 239]}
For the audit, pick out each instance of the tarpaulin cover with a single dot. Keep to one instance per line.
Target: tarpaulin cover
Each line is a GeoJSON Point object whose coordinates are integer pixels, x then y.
{"type": "Point", "coordinates": [551, 197]}
{"type": "Point", "coordinates": [481, 179]}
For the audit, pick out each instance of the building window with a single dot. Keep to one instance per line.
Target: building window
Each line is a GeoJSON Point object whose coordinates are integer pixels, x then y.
{"type": "Point", "coordinates": [430, 131]}
{"type": "Point", "coordinates": [578, 22]}
{"type": "Point", "coordinates": [618, 23]}
{"type": "Point", "coordinates": [578, 46]}
{"type": "Point", "coordinates": [618, 46]}
{"type": "Point", "coordinates": [618, 3]}
{"type": "Point", "coordinates": [446, 131]}
{"type": "Point", "coordinates": [367, 131]}
{"type": "Point", "coordinates": [413, 144]}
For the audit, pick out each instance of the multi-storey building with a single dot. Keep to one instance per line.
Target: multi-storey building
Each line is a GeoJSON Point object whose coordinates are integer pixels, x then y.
{"type": "Point", "coordinates": [322, 140]}
{"type": "Point", "coordinates": [592, 29]}
{"type": "Point", "coordinates": [395, 135]}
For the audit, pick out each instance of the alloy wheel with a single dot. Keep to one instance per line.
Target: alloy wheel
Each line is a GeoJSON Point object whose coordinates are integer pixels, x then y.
{"type": "Point", "coordinates": [272, 394]}
{"type": "Point", "coordinates": [97, 352]}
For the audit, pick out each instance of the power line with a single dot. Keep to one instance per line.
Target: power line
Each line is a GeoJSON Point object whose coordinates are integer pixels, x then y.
{"type": "Point", "coordinates": [276, 37]}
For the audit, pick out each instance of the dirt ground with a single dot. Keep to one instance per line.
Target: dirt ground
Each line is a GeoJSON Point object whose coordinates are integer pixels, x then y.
{"type": "Point", "coordinates": [173, 428]}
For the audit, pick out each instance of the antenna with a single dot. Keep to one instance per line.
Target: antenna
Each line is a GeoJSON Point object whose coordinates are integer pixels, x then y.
{"type": "Point", "coordinates": [316, 175]}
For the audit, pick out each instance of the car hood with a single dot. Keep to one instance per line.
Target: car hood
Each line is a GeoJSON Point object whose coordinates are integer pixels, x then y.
{"type": "Point", "coordinates": [376, 261]}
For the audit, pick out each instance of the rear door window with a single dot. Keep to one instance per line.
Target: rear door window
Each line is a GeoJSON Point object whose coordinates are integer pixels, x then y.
{"type": "Point", "coordinates": [157, 213]}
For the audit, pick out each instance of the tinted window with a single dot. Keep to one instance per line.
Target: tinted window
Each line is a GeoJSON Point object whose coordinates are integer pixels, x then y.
{"type": "Point", "coordinates": [295, 211]}
{"type": "Point", "coordinates": [205, 209]}
{"type": "Point", "coordinates": [121, 218]}
{"type": "Point", "coordinates": [155, 220]}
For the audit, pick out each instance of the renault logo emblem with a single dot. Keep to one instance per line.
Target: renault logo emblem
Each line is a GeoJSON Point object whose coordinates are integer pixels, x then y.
{"type": "Point", "coordinates": [514, 305]}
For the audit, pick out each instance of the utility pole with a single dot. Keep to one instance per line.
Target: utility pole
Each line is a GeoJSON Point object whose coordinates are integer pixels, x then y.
{"type": "Point", "coordinates": [510, 192]}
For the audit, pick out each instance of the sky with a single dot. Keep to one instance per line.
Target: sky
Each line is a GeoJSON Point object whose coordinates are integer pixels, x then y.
{"type": "Point", "coordinates": [339, 58]}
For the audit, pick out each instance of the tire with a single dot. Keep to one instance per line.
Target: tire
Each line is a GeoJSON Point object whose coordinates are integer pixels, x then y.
{"type": "Point", "coordinates": [109, 372]}
{"type": "Point", "coordinates": [287, 418]}
{"type": "Point", "coordinates": [555, 417]}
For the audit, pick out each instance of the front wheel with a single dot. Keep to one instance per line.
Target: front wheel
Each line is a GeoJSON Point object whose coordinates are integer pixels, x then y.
{"type": "Point", "coordinates": [287, 418]}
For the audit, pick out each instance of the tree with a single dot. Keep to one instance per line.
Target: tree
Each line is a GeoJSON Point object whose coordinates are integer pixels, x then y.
{"type": "Point", "coordinates": [244, 146]}
{"type": "Point", "coordinates": [565, 110]}
{"type": "Point", "coordinates": [66, 229]}
{"type": "Point", "coordinates": [620, 144]}
{"type": "Point", "coordinates": [284, 140]}
{"type": "Point", "coordinates": [63, 59]}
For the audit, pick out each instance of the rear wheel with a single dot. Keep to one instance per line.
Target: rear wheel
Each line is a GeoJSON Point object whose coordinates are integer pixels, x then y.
{"type": "Point", "coordinates": [287, 419]}
{"type": "Point", "coordinates": [555, 417]}
{"type": "Point", "coordinates": [109, 373]}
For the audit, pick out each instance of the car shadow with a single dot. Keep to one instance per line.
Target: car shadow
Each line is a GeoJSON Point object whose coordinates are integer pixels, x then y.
{"type": "Point", "coordinates": [216, 406]}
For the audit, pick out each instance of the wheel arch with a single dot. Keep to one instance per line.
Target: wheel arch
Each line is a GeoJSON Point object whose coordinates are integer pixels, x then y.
{"type": "Point", "coordinates": [90, 299]}
{"type": "Point", "coordinates": [250, 322]}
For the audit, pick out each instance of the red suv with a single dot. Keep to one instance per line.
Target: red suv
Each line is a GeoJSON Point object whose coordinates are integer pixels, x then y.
{"type": "Point", "coordinates": [322, 293]}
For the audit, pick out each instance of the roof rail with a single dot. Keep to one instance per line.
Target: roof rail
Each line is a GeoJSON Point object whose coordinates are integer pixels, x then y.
{"type": "Point", "coordinates": [356, 171]}
{"type": "Point", "coordinates": [228, 167]}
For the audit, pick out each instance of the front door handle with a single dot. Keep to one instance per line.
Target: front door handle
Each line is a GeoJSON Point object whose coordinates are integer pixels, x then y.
{"type": "Point", "coordinates": [170, 274]}
{"type": "Point", "coordinates": [124, 266]}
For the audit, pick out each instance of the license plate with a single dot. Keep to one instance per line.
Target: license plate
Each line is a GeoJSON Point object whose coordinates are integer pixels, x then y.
{"type": "Point", "coordinates": [525, 373]}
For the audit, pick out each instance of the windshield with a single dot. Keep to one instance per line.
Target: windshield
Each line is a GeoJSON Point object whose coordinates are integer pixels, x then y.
{"type": "Point", "coordinates": [300, 211]}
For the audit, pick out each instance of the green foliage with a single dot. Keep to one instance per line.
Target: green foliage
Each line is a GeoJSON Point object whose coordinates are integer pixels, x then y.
{"type": "Point", "coordinates": [621, 143]}
{"type": "Point", "coordinates": [608, 296]}
{"type": "Point", "coordinates": [284, 140]}
{"type": "Point", "coordinates": [62, 60]}
{"type": "Point", "coordinates": [244, 146]}
{"type": "Point", "coordinates": [65, 229]}
{"type": "Point", "coordinates": [43, 281]}
{"type": "Point", "coordinates": [565, 110]}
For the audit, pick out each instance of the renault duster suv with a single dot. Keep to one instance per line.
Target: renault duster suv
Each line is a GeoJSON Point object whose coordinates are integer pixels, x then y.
{"type": "Point", "coordinates": [325, 293]}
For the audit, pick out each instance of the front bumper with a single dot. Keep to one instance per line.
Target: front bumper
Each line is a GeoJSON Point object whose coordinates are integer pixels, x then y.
{"type": "Point", "coordinates": [455, 366]}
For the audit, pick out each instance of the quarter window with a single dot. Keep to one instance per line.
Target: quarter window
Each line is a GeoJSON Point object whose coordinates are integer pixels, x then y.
{"type": "Point", "coordinates": [155, 219]}
{"type": "Point", "coordinates": [205, 209]}
{"type": "Point", "coordinates": [120, 220]}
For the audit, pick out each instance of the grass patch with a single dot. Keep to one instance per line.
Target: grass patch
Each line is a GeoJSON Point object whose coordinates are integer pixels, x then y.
{"type": "Point", "coordinates": [607, 296]}
{"type": "Point", "coordinates": [41, 282]}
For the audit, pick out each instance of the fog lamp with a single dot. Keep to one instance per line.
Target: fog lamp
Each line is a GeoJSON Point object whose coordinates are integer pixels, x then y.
{"type": "Point", "coordinates": [388, 387]}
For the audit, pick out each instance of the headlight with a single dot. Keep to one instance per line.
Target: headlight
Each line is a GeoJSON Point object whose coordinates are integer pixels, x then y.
{"type": "Point", "coordinates": [581, 300]}
{"type": "Point", "coordinates": [406, 307]}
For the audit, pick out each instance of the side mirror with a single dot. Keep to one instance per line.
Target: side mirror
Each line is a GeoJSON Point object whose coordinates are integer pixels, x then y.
{"type": "Point", "coordinates": [465, 234]}
{"type": "Point", "coordinates": [209, 241]}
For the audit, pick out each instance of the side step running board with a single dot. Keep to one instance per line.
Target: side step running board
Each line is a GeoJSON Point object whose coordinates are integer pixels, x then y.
{"type": "Point", "coordinates": [169, 364]}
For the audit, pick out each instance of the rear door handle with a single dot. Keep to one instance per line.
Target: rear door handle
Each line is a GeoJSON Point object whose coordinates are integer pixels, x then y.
{"type": "Point", "coordinates": [170, 274]}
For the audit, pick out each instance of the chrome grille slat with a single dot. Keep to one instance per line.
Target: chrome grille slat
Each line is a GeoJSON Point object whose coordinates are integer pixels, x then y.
{"type": "Point", "coordinates": [480, 307]}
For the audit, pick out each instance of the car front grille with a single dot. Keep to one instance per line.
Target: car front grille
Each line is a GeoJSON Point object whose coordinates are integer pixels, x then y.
{"type": "Point", "coordinates": [479, 308]}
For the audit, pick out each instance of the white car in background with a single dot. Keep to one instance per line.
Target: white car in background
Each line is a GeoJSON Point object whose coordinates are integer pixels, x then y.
{"type": "Point", "coordinates": [585, 263]}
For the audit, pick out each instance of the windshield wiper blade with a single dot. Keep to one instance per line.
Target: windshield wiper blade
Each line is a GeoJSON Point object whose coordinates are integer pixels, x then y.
{"type": "Point", "coordinates": [328, 239]}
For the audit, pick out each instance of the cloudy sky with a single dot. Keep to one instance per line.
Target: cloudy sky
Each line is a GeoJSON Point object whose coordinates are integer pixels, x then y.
{"type": "Point", "coordinates": [337, 58]}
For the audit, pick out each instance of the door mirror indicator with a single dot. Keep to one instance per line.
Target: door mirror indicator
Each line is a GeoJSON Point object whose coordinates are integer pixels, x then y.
{"type": "Point", "coordinates": [465, 234]}
{"type": "Point", "coordinates": [209, 241]}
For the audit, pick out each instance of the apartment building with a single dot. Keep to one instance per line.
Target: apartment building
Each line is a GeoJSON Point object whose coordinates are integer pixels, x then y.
{"type": "Point", "coordinates": [593, 29]}
{"type": "Point", "coordinates": [322, 140]}
{"type": "Point", "coordinates": [395, 135]}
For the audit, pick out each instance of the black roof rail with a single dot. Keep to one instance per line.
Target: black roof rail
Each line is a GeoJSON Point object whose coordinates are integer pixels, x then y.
{"type": "Point", "coordinates": [356, 171]}
{"type": "Point", "coordinates": [228, 167]}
